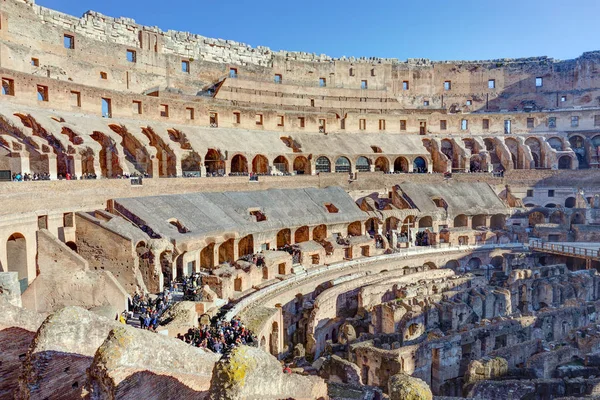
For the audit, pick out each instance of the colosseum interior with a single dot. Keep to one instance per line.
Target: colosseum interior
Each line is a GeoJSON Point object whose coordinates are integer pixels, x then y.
{"type": "Point", "coordinates": [344, 228]}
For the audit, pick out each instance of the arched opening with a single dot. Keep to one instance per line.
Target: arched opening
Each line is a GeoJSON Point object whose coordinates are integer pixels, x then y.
{"type": "Point", "coordinates": [166, 267]}
{"type": "Point", "coordinates": [363, 164]}
{"type": "Point", "coordinates": [342, 164]}
{"type": "Point", "coordinates": [420, 165]}
{"type": "Point", "coordinates": [214, 163]}
{"type": "Point", "coordinates": [408, 223]}
{"type": "Point", "coordinates": [263, 344]}
{"type": "Point", "coordinates": [497, 262]}
{"type": "Point", "coordinates": [401, 164]}
{"type": "Point", "coordinates": [577, 219]}
{"type": "Point", "coordinates": [556, 143]}
{"type": "Point", "coordinates": [226, 252]}
{"type": "Point", "coordinates": [570, 202]}
{"type": "Point", "coordinates": [382, 165]}
{"type": "Point", "coordinates": [284, 238]}
{"type": "Point", "coordinates": [301, 235]}
{"type": "Point", "coordinates": [453, 265]}
{"type": "Point", "coordinates": [239, 165]}
{"type": "Point", "coordinates": [301, 166]}
{"type": "Point", "coordinates": [476, 163]}
{"type": "Point", "coordinates": [564, 162]}
{"type": "Point", "coordinates": [190, 164]}
{"type": "Point", "coordinates": [478, 220]}
{"type": "Point", "coordinates": [516, 155]}
{"type": "Point", "coordinates": [535, 218]}
{"type": "Point", "coordinates": [413, 331]}
{"type": "Point", "coordinates": [72, 246]}
{"type": "Point", "coordinates": [246, 246]}
{"type": "Point", "coordinates": [426, 222]}
{"type": "Point", "coordinates": [16, 257]}
{"type": "Point", "coordinates": [448, 150]}
{"type": "Point", "coordinates": [391, 224]}
{"type": "Point", "coordinates": [179, 266]}
{"type": "Point", "coordinates": [550, 205]}
{"type": "Point", "coordinates": [281, 164]}
{"type": "Point", "coordinates": [474, 263]}
{"type": "Point", "coordinates": [275, 339]}
{"type": "Point", "coordinates": [320, 233]}
{"type": "Point", "coordinates": [372, 226]}
{"type": "Point", "coordinates": [557, 217]}
{"type": "Point", "coordinates": [354, 229]}
{"type": "Point", "coordinates": [323, 164]}
{"type": "Point", "coordinates": [461, 220]}
{"type": "Point", "coordinates": [536, 151]}
{"type": "Point", "coordinates": [260, 165]}
{"type": "Point", "coordinates": [578, 146]}
{"type": "Point", "coordinates": [498, 221]}
{"type": "Point", "coordinates": [429, 265]}
{"type": "Point", "coordinates": [238, 284]}
{"type": "Point", "coordinates": [207, 257]}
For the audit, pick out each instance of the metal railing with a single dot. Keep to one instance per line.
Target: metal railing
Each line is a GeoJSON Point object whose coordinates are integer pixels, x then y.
{"type": "Point", "coordinates": [564, 249]}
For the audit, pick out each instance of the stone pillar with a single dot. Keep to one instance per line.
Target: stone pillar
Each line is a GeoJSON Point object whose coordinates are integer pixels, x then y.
{"type": "Point", "coordinates": [52, 165]}
{"type": "Point", "coordinates": [178, 169]}
{"type": "Point", "coordinates": [203, 171]}
{"type": "Point", "coordinates": [372, 167]}
{"type": "Point", "coordinates": [19, 162]}
{"type": "Point", "coordinates": [155, 172]}
{"type": "Point", "coordinates": [77, 167]}
{"type": "Point", "coordinates": [109, 171]}
{"type": "Point", "coordinates": [163, 167]}
{"type": "Point", "coordinates": [411, 166]}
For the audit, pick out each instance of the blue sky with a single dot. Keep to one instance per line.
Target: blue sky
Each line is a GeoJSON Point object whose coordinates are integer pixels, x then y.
{"type": "Point", "coordinates": [435, 29]}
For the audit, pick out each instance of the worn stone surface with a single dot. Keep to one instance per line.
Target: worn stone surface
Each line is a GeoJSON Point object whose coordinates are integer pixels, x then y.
{"type": "Point", "coordinates": [405, 387]}
{"type": "Point", "coordinates": [61, 352]}
{"type": "Point", "coordinates": [134, 364]}
{"type": "Point", "coordinates": [251, 374]}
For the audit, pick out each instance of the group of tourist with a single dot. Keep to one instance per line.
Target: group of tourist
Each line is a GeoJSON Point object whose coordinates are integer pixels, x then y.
{"type": "Point", "coordinates": [18, 177]}
{"type": "Point", "coordinates": [149, 311]}
{"type": "Point", "coordinates": [220, 337]}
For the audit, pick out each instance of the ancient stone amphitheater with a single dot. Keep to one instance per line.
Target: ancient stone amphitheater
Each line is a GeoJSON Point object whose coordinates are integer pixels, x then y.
{"type": "Point", "coordinates": [384, 228]}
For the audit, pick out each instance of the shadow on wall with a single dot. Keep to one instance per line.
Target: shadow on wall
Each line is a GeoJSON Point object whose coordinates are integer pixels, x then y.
{"type": "Point", "coordinates": [146, 385]}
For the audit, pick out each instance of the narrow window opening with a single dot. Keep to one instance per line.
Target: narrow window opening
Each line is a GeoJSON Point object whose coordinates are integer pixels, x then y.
{"type": "Point", "coordinates": [402, 124]}
{"type": "Point", "coordinates": [443, 125]}
{"type": "Point", "coordinates": [106, 108]}
{"type": "Point", "coordinates": [362, 124]}
{"type": "Point", "coordinates": [75, 99]}
{"type": "Point", "coordinates": [213, 119]}
{"type": "Point", "coordinates": [405, 85]}
{"type": "Point", "coordinates": [8, 87]}
{"type": "Point", "coordinates": [364, 85]}
{"type": "Point", "coordinates": [237, 117]}
{"type": "Point", "coordinates": [164, 110]}
{"type": "Point", "coordinates": [103, 75]}
{"type": "Point", "coordinates": [447, 85]}
{"type": "Point", "coordinates": [42, 93]}
{"type": "Point", "coordinates": [530, 123]}
{"type": "Point", "coordinates": [233, 72]}
{"type": "Point", "coordinates": [322, 82]}
{"type": "Point", "coordinates": [137, 107]}
{"type": "Point", "coordinates": [189, 113]}
{"type": "Point", "coordinates": [259, 119]}
{"type": "Point", "coordinates": [301, 122]}
{"type": "Point", "coordinates": [69, 41]}
{"type": "Point", "coordinates": [382, 124]}
{"type": "Point", "coordinates": [322, 126]}
{"type": "Point", "coordinates": [278, 78]}
{"type": "Point", "coordinates": [486, 124]}
{"type": "Point", "coordinates": [539, 82]}
{"type": "Point", "coordinates": [35, 62]}
{"type": "Point", "coordinates": [131, 56]}
{"type": "Point", "coordinates": [492, 84]}
{"type": "Point", "coordinates": [185, 66]}
{"type": "Point", "coordinates": [280, 120]}
{"type": "Point", "coordinates": [464, 124]}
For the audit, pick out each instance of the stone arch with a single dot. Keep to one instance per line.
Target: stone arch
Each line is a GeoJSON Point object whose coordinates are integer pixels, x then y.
{"type": "Point", "coordinates": [570, 202]}
{"type": "Point", "coordinates": [214, 163]}
{"type": "Point", "coordinates": [578, 146]}
{"type": "Point", "coordinates": [391, 224]}
{"type": "Point", "coordinates": [166, 267]}
{"type": "Point", "coordinates": [16, 257]}
{"type": "Point", "coordinates": [363, 164]}
{"type": "Point", "coordinates": [513, 148]}
{"type": "Point", "coordinates": [556, 143]}
{"type": "Point", "coordinates": [565, 162]}
{"type": "Point", "coordinates": [453, 265]}
{"type": "Point", "coordinates": [320, 233]}
{"type": "Point", "coordinates": [382, 164]}
{"type": "Point", "coordinates": [420, 165]}
{"type": "Point", "coordinates": [226, 252]}
{"type": "Point", "coordinates": [284, 238]}
{"type": "Point", "coordinates": [401, 164]}
{"type": "Point", "coordinates": [535, 146]}
{"type": "Point", "coordinates": [207, 256]}
{"type": "Point", "coordinates": [447, 148]}
{"type": "Point", "coordinates": [461, 220]}
{"type": "Point", "coordinates": [239, 164]}
{"type": "Point", "coordinates": [72, 246]}
{"type": "Point", "coordinates": [550, 205]}
{"type": "Point", "coordinates": [246, 246]}
{"type": "Point", "coordinates": [558, 217]}
{"type": "Point", "coordinates": [260, 165]}
{"type": "Point", "coordinates": [474, 263]}
{"type": "Point", "coordinates": [342, 164]}
{"type": "Point", "coordinates": [191, 164]}
{"type": "Point", "coordinates": [577, 219]}
{"type": "Point", "coordinates": [535, 218]}
{"type": "Point", "coordinates": [498, 221]}
{"type": "Point", "coordinates": [372, 225]}
{"type": "Point", "coordinates": [281, 164]}
{"type": "Point", "coordinates": [430, 265]}
{"type": "Point", "coordinates": [409, 222]}
{"type": "Point", "coordinates": [354, 229]}
{"type": "Point", "coordinates": [323, 164]}
{"type": "Point", "coordinates": [301, 235]}
{"type": "Point", "coordinates": [476, 163]}
{"type": "Point", "coordinates": [478, 220]}
{"type": "Point", "coordinates": [426, 222]}
{"type": "Point", "coordinates": [497, 261]}
{"type": "Point", "coordinates": [302, 166]}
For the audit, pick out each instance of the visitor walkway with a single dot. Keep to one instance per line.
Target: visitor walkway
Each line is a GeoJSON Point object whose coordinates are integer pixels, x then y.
{"type": "Point", "coordinates": [586, 251]}
{"type": "Point", "coordinates": [353, 265]}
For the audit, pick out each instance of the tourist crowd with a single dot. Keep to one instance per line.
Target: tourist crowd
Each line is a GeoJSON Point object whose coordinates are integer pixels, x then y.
{"type": "Point", "coordinates": [221, 337]}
